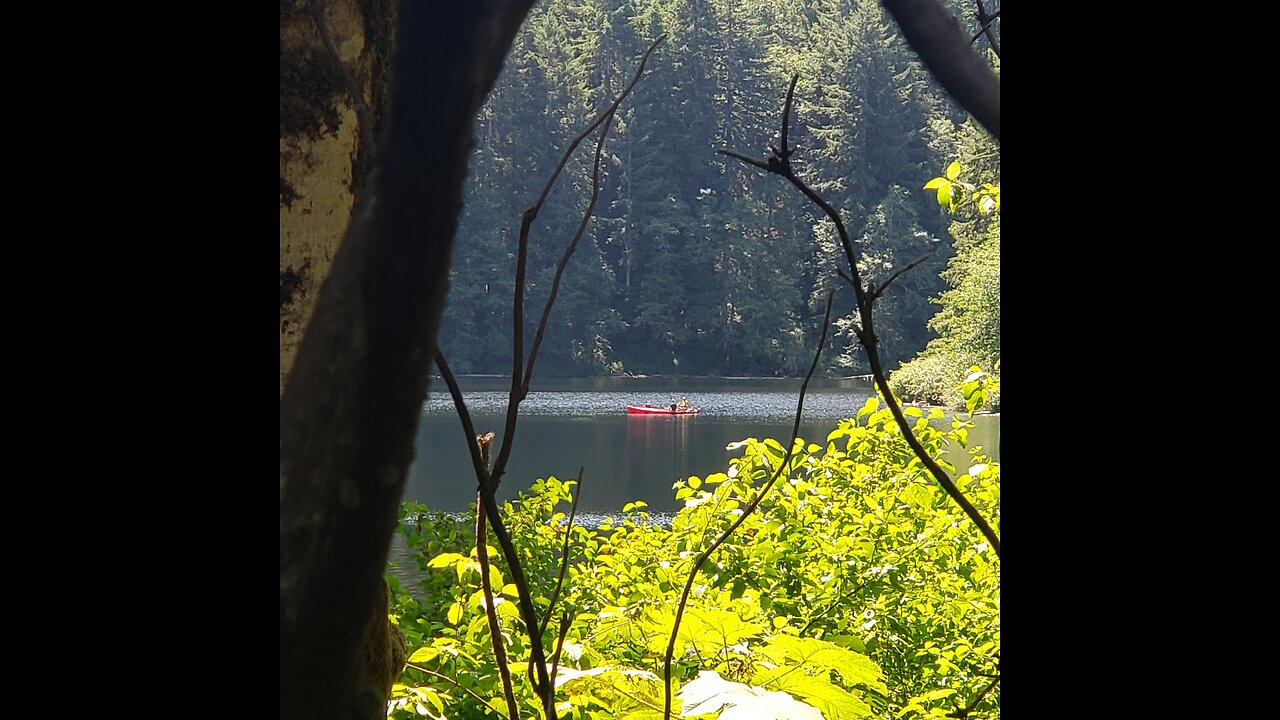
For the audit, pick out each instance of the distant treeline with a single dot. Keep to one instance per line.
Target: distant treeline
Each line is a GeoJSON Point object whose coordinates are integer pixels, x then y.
{"type": "Point", "coordinates": [696, 264]}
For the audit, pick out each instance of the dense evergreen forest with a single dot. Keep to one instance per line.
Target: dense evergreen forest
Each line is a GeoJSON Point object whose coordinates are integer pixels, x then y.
{"type": "Point", "coordinates": [696, 263]}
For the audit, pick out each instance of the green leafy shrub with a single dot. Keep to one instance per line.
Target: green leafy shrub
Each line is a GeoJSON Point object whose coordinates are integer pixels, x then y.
{"type": "Point", "coordinates": [857, 589]}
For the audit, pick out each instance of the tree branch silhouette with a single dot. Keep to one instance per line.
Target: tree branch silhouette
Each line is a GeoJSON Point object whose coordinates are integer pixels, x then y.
{"type": "Point", "coordinates": [984, 22]}
{"type": "Point", "coordinates": [935, 34]}
{"type": "Point", "coordinates": [352, 400]}
{"type": "Point", "coordinates": [488, 478]}
{"type": "Point", "coordinates": [779, 163]}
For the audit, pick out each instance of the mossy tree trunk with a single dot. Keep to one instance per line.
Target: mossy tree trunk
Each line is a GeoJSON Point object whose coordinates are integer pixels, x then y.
{"type": "Point", "coordinates": [351, 401]}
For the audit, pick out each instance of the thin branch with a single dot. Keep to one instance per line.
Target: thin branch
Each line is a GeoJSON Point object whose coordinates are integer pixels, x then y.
{"type": "Point", "coordinates": [488, 478]}
{"type": "Point", "coordinates": [564, 556]}
{"type": "Point", "coordinates": [985, 21]}
{"type": "Point", "coordinates": [750, 161]}
{"type": "Point", "coordinates": [961, 714]}
{"type": "Point", "coordinates": [880, 290]}
{"type": "Point", "coordinates": [935, 34]}
{"type": "Point", "coordinates": [555, 657]}
{"type": "Point", "coordinates": [485, 495]}
{"type": "Point", "coordinates": [542, 684]}
{"type": "Point", "coordinates": [480, 464]}
{"type": "Point", "coordinates": [490, 609]}
{"type": "Point", "coordinates": [786, 117]}
{"type": "Point", "coordinates": [867, 335]}
{"type": "Point", "coordinates": [519, 383]}
{"type": "Point", "coordinates": [452, 682]}
{"type": "Point", "coordinates": [587, 214]}
{"type": "Point", "coordinates": [755, 502]}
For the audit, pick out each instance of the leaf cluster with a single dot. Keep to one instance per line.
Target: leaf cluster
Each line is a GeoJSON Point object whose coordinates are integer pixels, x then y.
{"type": "Point", "coordinates": [856, 590]}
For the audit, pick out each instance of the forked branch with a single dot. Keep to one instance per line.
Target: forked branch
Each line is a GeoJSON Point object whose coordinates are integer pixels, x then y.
{"type": "Point", "coordinates": [488, 477]}
{"type": "Point", "coordinates": [779, 164]}
{"type": "Point", "coordinates": [519, 373]}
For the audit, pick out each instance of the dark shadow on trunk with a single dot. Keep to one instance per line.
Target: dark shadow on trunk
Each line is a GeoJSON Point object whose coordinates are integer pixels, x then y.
{"type": "Point", "coordinates": [351, 405]}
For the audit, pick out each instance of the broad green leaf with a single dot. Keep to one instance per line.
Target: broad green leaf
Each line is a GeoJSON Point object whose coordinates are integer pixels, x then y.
{"type": "Point", "coordinates": [869, 406]}
{"type": "Point", "coordinates": [944, 195]}
{"type": "Point", "coordinates": [455, 612]}
{"type": "Point", "coordinates": [936, 182]}
{"type": "Point", "coordinates": [446, 559]}
{"type": "Point", "coordinates": [708, 630]}
{"type": "Point", "coordinates": [850, 641]}
{"type": "Point", "coordinates": [820, 655]}
{"type": "Point", "coordinates": [953, 170]}
{"type": "Point", "coordinates": [774, 448]}
{"type": "Point", "coordinates": [424, 654]}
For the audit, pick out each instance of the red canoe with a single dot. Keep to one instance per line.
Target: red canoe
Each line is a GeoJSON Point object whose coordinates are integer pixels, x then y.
{"type": "Point", "coordinates": [650, 410]}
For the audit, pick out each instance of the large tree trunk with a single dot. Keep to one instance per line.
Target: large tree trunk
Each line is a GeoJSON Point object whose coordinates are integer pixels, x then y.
{"type": "Point", "coordinates": [331, 52]}
{"type": "Point", "coordinates": [351, 403]}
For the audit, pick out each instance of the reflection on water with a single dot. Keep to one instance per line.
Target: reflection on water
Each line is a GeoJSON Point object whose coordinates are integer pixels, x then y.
{"type": "Point", "coordinates": [567, 426]}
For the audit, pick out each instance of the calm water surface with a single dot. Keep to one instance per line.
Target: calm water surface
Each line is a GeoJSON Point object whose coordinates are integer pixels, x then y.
{"type": "Point", "coordinates": [570, 424]}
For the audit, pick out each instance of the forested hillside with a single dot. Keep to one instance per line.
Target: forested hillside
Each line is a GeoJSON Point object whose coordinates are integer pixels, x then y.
{"type": "Point", "coordinates": [694, 262]}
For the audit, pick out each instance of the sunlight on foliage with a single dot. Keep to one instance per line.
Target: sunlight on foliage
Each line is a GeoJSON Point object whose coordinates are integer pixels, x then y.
{"type": "Point", "coordinates": [952, 193]}
{"type": "Point", "coordinates": [857, 589]}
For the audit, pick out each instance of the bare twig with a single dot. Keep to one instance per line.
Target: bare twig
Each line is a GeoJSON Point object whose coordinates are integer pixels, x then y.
{"type": "Point", "coordinates": [778, 164]}
{"type": "Point", "coordinates": [755, 502]}
{"type": "Point", "coordinates": [542, 683]}
{"type": "Point", "coordinates": [884, 285]}
{"type": "Point", "coordinates": [555, 657]}
{"type": "Point", "coordinates": [490, 609]}
{"type": "Point", "coordinates": [451, 681]}
{"type": "Point", "coordinates": [961, 714]}
{"type": "Point", "coordinates": [933, 32]}
{"type": "Point", "coordinates": [564, 559]}
{"type": "Point", "coordinates": [480, 464]}
{"type": "Point", "coordinates": [985, 21]}
{"type": "Point", "coordinates": [564, 259]}
{"type": "Point", "coordinates": [519, 382]}
{"type": "Point", "coordinates": [489, 477]}
{"type": "Point", "coordinates": [486, 499]}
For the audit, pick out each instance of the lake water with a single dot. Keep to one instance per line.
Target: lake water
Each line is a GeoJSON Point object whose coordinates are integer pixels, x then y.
{"type": "Point", "coordinates": [565, 425]}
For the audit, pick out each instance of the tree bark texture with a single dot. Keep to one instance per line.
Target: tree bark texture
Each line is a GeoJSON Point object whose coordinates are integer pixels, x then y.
{"type": "Point", "coordinates": [332, 53]}
{"type": "Point", "coordinates": [351, 402]}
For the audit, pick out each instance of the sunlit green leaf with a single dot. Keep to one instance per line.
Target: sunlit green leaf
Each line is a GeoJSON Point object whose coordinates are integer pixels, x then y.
{"type": "Point", "coordinates": [446, 560]}
{"type": "Point", "coordinates": [424, 654]}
